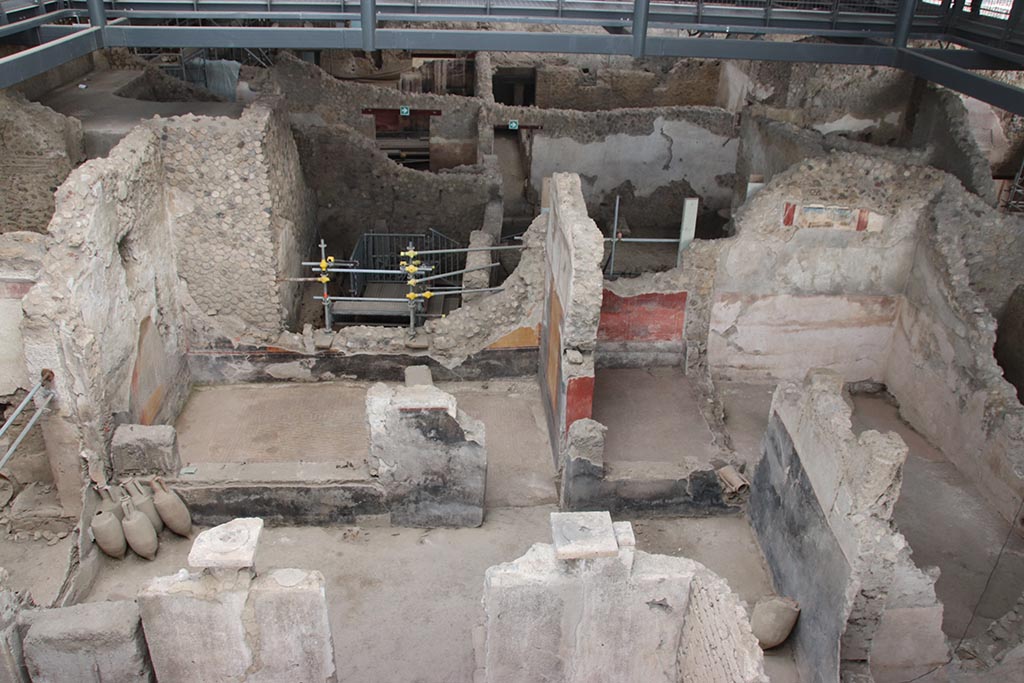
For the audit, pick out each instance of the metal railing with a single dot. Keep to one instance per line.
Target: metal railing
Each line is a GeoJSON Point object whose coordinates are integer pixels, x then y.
{"type": "Point", "coordinates": [42, 388]}
{"type": "Point", "coordinates": [382, 251]}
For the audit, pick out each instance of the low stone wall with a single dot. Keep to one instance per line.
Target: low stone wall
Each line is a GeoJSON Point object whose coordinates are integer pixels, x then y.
{"type": "Point", "coordinates": [821, 506]}
{"type": "Point", "coordinates": [940, 125]}
{"type": "Point", "coordinates": [553, 613]}
{"type": "Point", "coordinates": [38, 149]}
{"type": "Point", "coordinates": [430, 456]}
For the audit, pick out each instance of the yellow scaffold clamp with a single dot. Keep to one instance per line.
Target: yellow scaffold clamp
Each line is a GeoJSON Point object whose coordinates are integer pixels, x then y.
{"type": "Point", "coordinates": [412, 282]}
{"type": "Point", "coordinates": [411, 253]}
{"type": "Point", "coordinates": [326, 263]}
{"type": "Point", "coordinates": [323, 279]}
{"type": "Point", "coordinates": [412, 296]}
{"type": "Point", "coordinates": [411, 269]}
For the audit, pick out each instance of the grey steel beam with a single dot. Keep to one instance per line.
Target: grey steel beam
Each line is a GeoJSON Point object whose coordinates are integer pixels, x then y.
{"type": "Point", "coordinates": [34, 22]}
{"type": "Point", "coordinates": [34, 61]}
{"type": "Point", "coordinates": [640, 9]}
{"type": "Point", "coordinates": [266, 37]}
{"type": "Point", "coordinates": [903, 22]}
{"type": "Point", "coordinates": [368, 23]}
{"type": "Point", "coordinates": [97, 13]}
{"type": "Point", "coordinates": [980, 87]}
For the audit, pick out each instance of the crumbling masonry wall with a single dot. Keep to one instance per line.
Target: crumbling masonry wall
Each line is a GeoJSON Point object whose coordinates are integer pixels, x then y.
{"type": "Point", "coordinates": [654, 158]}
{"type": "Point", "coordinates": [572, 309]}
{"type": "Point", "coordinates": [242, 218]}
{"type": "Point", "coordinates": [815, 274]}
{"type": "Point", "coordinates": [108, 272]}
{"type": "Point", "coordinates": [821, 506]}
{"type": "Point", "coordinates": [591, 607]}
{"type": "Point", "coordinates": [941, 368]}
{"type": "Point", "coordinates": [38, 149]}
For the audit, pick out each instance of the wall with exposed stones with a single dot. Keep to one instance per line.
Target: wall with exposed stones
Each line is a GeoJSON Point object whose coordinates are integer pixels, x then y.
{"type": "Point", "coordinates": [941, 367]}
{"type": "Point", "coordinates": [654, 158]}
{"type": "Point", "coordinates": [314, 93]}
{"type": "Point", "coordinates": [940, 125]}
{"type": "Point", "coordinates": [813, 277]}
{"type": "Point", "coordinates": [108, 275]}
{"type": "Point", "coordinates": [38, 148]}
{"type": "Point", "coordinates": [242, 218]}
{"type": "Point", "coordinates": [821, 506]}
{"type": "Point", "coordinates": [621, 83]}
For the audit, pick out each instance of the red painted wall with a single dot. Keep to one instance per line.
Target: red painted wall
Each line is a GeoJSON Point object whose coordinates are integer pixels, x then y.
{"type": "Point", "coordinates": [644, 317]}
{"type": "Point", "coordinates": [579, 399]}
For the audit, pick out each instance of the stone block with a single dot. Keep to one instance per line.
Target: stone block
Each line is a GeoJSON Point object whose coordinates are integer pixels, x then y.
{"type": "Point", "coordinates": [418, 375]}
{"type": "Point", "coordinates": [583, 535]}
{"type": "Point", "coordinates": [290, 616]}
{"type": "Point", "coordinates": [195, 628]}
{"type": "Point", "coordinates": [229, 546]}
{"type": "Point", "coordinates": [100, 641]}
{"type": "Point", "coordinates": [145, 450]}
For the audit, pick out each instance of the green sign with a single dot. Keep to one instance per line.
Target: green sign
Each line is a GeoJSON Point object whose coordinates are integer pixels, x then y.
{"type": "Point", "coordinates": [513, 124]}
{"type": "Point", "coordinates": [403, 111]}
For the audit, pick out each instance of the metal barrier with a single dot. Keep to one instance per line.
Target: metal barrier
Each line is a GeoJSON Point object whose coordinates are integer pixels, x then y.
{"type": "Point", "coordinates": [41, 387]}
{"type": "Point", "coordinates": [687, 229]}
{"type": "Point", "coordinates": [382, 251]}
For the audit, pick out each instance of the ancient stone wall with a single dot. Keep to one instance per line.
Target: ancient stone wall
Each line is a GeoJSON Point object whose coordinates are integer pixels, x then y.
{"type": "Point", "coordinates": [940, 125]}
{"type": "Point", "coordinates": [813, 277]}
{"type": "Point", "coordinates": [654, 158]}
{"type": "Point", "coordinates": [597, 86]}
{"type": "Point", "coordinates": [572, 309]}
{"type": "Point", "coordinates": [941, 368]}
{"type": "Point", "coordinates": [38, 148]}
{"type": "Point", "coordinates": [241, 219]}
{"type": "Point", "coordinates": [310, 91]}
{"type": "Point", "coordinates": [551, 614]}
{"type": "Point", "coordinates": [108, 276]}
{"type": "Point", "coordinates": [358, 189]}
{"type": "Point", "coordinates": [821, 505]}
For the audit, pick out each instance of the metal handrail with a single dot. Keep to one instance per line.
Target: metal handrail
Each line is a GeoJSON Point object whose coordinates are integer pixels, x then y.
{"type": "Point", "coordinates": [46, 376]}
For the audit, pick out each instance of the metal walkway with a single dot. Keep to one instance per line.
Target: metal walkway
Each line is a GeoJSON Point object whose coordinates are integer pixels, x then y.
{"type": "Point", "coordinates": [977, 34]}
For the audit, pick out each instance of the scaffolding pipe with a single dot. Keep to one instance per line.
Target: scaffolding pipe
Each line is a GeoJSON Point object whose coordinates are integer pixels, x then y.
{"type": "Point", "coordinates": [24, 403]}
{"type": "Point", "coordinates": [358, 298]}
{"type": "Point", "coordinates": [468, 291]}
{"type": "Point", "coordinates": [468, 249]}
{"type": "Point", "coordinates": [24, 432]}
{"type": "Point", "coordinates": [666, 240]}
{"type": "Point", "coordinates": [455, 272]}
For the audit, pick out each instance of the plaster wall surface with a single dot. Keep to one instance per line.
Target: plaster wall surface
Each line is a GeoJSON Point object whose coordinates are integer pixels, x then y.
{"type": "Point", "coordinates": [942, 371]}
{"type": "Point", "coordinates": [551, 615]}
{"type": "Point", "coordinates": [821, 504]}
{"type": "Point", "coordinates": [639, 153]}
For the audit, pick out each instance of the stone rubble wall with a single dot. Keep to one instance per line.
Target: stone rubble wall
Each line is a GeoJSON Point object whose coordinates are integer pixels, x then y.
{"type": "Point", "coordinates": [654, 82]}
{"type": "Point", "coordinates": [941, 368]}
{"type": "Point", "coordinates": [108, 271]}
{"type": "Point", "coordinates": [38, 149]}
{"type": "Point", "coordinates": [821, 506]}
{"type": "Point", "coordinates": [551, 614]}
{"type": "Point", "coordinates": [815, 273]}
{"type": "Point", "coordinates": [241, 220]}
{"type": "Point", "coordinates": [940, 125]}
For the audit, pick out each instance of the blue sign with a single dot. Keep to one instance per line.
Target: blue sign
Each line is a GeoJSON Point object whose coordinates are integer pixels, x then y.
{"type": "Point", "coordinates": [513, 124]}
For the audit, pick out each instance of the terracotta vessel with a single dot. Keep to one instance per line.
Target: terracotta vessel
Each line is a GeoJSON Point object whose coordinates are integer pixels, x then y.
{"type": "Point", "coordinates": [139, 531]}
{"type": "Point", "coordinates": [171, 508]}
{"type": "Point", "coordinates": [106, 529]}
{"type": "Point", "coordinates": [143, 502]}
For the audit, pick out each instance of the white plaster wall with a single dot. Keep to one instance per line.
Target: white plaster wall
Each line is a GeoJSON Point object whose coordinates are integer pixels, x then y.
{"type": "Point", "coordinates": [780, 336]}
{"type": "Point", "coordinates": [673, 151]}
{"type": "Point", "coordinates": [12, 355]}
